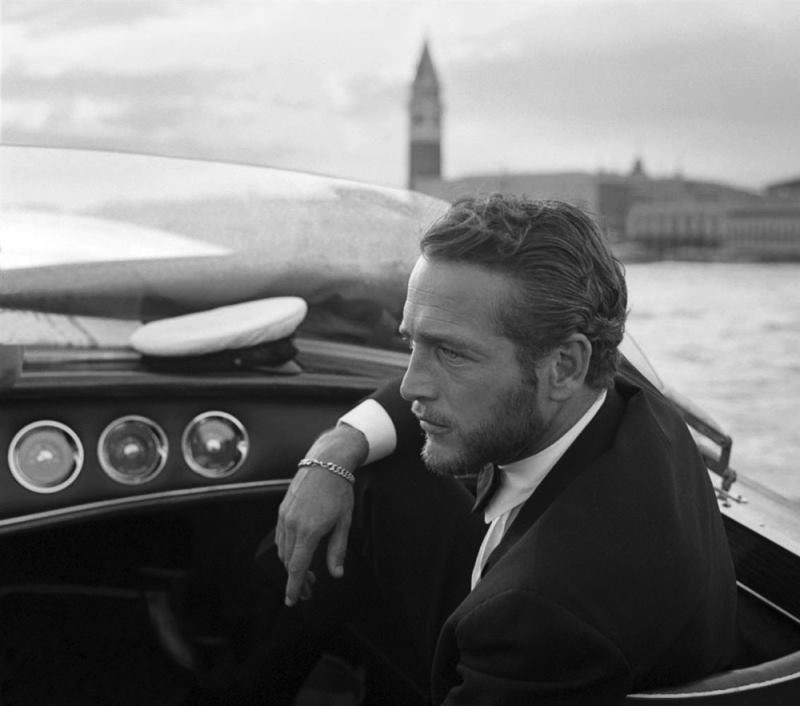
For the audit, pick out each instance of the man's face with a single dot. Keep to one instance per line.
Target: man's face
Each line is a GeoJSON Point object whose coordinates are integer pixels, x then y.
{"type": "Point", "coordinates": [468, 390]}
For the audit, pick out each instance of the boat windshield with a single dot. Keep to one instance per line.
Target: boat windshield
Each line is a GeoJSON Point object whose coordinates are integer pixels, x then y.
{"type": "Point", "coordinates": [96, 242]}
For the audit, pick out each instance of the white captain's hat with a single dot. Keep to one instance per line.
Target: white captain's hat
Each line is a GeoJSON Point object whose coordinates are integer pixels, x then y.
{"type": "Point", "coordinates": [245, 335]}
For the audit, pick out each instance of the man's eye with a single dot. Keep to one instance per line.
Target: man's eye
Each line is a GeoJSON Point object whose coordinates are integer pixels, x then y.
{"type": "Point", "coordinates": [449, 354]}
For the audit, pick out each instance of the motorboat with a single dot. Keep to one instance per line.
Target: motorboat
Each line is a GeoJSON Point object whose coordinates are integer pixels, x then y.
{"type": "Point", "coordinates": [133, 492]}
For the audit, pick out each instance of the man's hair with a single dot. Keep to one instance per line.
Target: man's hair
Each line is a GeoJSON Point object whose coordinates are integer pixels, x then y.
{"type": "Point", "coordinates": [568, 279]}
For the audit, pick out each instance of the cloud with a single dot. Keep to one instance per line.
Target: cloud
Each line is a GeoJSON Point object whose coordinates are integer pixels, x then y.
{"type": "Point", "coordinates": [534, 86]}
{"type": "Point", "coordinates": [696, 88]}
{"type": "Point", "coordinates": [371, 96]}
{"type": "Point", "coordinates": [21, 84]}
{"type": "Point", "coordinates": [648, 72]}
{"type": "Point", "coordinates": [85, 104]}
{"type": "Point", "coordinates": [213, 115]}
{"type": "Point", "coordinates": [57, 16]}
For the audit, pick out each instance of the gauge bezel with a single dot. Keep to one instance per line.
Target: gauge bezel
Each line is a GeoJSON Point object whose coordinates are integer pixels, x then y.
{"type": "Point", "coordinates": [162, 444]}
{"type": "Point", "coordinates": [77, 452]}
{"type": "Point", "coordinates": [201, 470]}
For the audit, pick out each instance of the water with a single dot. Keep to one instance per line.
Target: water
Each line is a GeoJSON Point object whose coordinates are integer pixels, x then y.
{"type": "Point", "coordinates": [728, 336]}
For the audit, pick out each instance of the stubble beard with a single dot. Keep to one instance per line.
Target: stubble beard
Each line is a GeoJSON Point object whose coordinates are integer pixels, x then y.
{"type": "Point", "coordinates": [510, 430]}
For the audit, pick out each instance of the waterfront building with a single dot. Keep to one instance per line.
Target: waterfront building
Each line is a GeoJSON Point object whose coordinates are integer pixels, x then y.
{"type": "Point", "coordinates": [764, 230]}
{"type": "Point", "coordinates": [767, 231]}
{"type": "Point", "coordinates": [677, 224]}
{"type": "Point", "coordinates": [607, 196]}
{"type": "Point", "coordinates": [784, 190]}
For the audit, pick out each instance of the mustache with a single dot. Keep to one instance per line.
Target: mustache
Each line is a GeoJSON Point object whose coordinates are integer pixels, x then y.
{"type": "Point", "coordinates": [425, 415]}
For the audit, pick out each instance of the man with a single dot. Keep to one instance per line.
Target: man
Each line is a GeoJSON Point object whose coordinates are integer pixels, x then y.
{"type": "Point", "coordinates": [605, 568]}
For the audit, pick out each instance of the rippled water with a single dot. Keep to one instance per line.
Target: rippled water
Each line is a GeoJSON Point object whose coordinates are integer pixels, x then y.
{"type": "Point", "coordinates": [728, 336]}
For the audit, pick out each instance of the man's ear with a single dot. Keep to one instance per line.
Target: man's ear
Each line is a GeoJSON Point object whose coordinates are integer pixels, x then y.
{"type": "Point", "coordinates": [569, 363]}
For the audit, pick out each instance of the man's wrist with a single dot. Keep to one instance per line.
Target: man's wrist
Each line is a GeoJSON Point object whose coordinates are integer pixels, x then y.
{"type": "Point", "coordinates": [329, 466]}
{"type": "Point", "coordinates": [373, 421]}
{"type": "Point", "coordinates": [343, 446]}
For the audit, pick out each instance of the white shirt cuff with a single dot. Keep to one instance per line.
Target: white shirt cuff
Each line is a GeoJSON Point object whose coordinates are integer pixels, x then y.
{"type": "Point", "coordinates": [374, 422]}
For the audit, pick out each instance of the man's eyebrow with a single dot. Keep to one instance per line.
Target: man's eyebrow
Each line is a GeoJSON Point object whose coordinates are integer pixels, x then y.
{"type": "Point", "coordinates": [443, 338]}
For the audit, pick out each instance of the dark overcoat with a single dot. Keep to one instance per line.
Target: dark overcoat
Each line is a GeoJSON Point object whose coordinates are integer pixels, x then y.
{"type": "Point", "coordinates": [616, 575]}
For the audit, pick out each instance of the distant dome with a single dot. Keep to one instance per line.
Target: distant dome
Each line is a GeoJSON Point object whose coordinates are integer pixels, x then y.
{"type": "Point", "coordinates": [638, 168]}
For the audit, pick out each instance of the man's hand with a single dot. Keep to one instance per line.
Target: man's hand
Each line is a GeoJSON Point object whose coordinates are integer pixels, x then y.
{"type": "Point", "coordinates": [318, 503]}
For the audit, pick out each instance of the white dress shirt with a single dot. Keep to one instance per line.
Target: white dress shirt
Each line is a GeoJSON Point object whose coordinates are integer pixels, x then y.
{"type": "Point", "coordinates": [518, 480]}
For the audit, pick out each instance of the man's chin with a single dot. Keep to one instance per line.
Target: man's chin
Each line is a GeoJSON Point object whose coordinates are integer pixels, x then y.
{"type": "Point", "coordinates": [440, 460]}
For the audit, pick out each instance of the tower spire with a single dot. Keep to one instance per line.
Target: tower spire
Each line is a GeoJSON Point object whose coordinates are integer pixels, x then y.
{"type": "Point", "coordinates": [425, 122]}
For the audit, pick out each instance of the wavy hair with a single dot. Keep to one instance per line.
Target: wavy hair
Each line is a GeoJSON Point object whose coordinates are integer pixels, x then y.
{"type": "Point", "coordinates": [568, 279]}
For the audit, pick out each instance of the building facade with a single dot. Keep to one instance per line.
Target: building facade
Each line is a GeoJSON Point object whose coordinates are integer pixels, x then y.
{"type": "Point", "coordinates": [789, 190]}
{"type": "Point", "coordinates": [765, 231]}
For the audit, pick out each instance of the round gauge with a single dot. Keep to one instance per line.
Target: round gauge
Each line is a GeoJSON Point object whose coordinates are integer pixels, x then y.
{"type": "Point", "coordinates": [45, 456]}
{"type": "Point", "coordinates": [215, 444]}
{"type": "Point", "coordinates": [132, 449]}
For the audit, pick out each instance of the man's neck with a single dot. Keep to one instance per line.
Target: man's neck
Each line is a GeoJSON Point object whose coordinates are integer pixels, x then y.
{"type": "Point", "coordinates": [566, 416]}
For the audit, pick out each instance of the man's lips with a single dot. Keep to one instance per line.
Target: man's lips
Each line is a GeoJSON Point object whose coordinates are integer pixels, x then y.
{"type": "Point", "coordinates": [430, 423]}
{"type": "Point", "coordinates": [431, 427]}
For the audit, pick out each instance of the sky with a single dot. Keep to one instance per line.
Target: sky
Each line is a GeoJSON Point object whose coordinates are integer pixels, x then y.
{"type": "Point", "coordinates": [705, 88]}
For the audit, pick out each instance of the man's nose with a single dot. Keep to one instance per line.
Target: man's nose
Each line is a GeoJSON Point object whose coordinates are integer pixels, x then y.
{"type": "Point", "coordinates": [417, 382]}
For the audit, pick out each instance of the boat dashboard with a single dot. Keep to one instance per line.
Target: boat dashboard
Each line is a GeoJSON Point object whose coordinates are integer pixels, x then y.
{"type": "Point", "coordinates": [78, 445]}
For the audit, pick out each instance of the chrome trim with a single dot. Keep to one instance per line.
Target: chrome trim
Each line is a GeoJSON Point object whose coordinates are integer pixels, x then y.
{"type": "Point", "coordinates": [132, 501]}
{"type": "Point", "coordinates": [351, 351]}
{"type": "Point", "coordinates": [54, 355]}
{"type": "Point", "coordinates": [243, 446]}
{"type": "Point", "coordinates": [21, 478]}
{"type": "Point", "coordinates": [712, 693]}
{"type": "Point", "coordinates": [162, 449]}
{"type": "Point", "coordinates": [785, 613]}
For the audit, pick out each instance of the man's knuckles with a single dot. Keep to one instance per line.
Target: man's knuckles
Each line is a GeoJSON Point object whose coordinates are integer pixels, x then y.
{"type": "Point", "coordinates": [297, 567]}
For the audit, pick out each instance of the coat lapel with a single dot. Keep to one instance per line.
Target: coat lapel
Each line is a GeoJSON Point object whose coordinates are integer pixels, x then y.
{"type": "Point", "coordinates": [593, 441]}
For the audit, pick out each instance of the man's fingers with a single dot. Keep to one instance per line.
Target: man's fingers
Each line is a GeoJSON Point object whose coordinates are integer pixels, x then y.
{"type": "Point", "coordinates": [297, 568]}
{"type": "Point", "coordinates": [337, 548]}
{"type": "Point", "coordinates": [283, 530]}
{"type": "Point", "coordinates": [279, 533]}
{"type": "Point", "coordinates": [294, 584]}
{"type": "Point", "coordinates": [308, 586]}
{"type": "Point", "coordinates": [305, 590]}
{"type": "Point", "coordinates": [289, 542]}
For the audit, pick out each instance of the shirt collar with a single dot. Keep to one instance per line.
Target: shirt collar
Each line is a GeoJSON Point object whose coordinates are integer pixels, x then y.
{"type": "Point", "coordinates": [518, 480]}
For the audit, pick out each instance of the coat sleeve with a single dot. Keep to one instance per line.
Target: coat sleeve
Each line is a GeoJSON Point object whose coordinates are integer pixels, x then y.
{"type": "Point", "coordinates": [518, 649]}
{"type": "Point", "coordinates": [409, 434]}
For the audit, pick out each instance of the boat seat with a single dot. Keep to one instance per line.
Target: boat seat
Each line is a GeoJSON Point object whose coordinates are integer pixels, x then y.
{"type": "Point", "coordinates": [768, 683]}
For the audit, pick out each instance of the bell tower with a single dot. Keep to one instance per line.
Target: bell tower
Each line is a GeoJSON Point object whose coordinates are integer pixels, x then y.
{"type": "Point", "coordinates": [425, 123]}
